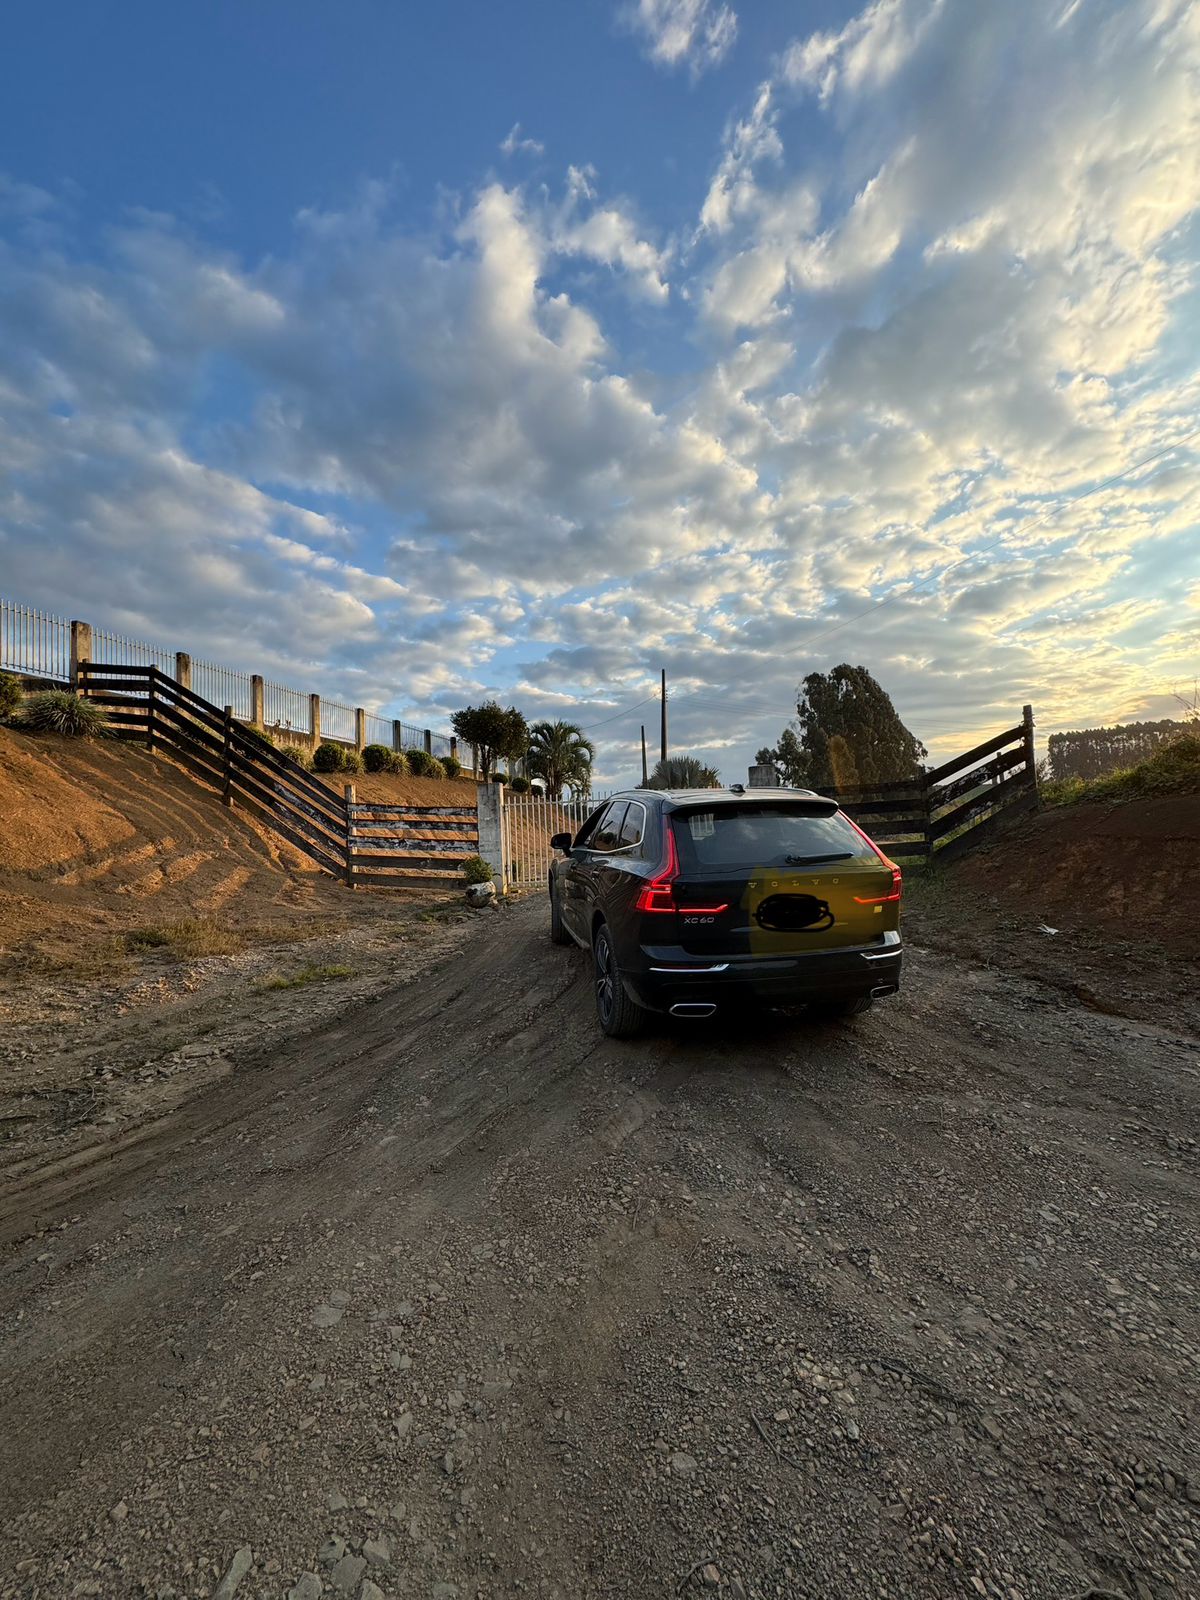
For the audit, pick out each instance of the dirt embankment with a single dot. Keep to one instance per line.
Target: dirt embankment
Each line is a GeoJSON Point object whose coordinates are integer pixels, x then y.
{"type": "Point", "coordinates": [1132, 869]}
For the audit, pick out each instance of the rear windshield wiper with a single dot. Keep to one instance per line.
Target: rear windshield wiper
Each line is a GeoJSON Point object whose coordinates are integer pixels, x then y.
{"type": "Point", "coordinates": [804, 861]}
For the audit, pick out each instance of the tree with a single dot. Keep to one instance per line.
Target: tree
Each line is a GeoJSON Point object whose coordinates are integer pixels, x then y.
{"type": "Point", "coordinates": [493, 732]}
{"type": "Point", "coordinates": [848, 704]}
{"type": "Point", "coordinates": [847, 733]}
{"type": "Point", "coordinates": [788, 758]}
{"type": "Point", "coordinates": [683, 772]}
{"type": "Point", "coordinates": [560, 753]}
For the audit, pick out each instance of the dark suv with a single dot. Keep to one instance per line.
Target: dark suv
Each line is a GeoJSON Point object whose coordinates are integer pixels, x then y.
{"type": "Point", "coordinates": [695, 899]}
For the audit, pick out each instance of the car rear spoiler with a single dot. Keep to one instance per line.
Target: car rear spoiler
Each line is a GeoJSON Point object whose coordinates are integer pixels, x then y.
{"type": "Point", "coordinates": [806, 805]}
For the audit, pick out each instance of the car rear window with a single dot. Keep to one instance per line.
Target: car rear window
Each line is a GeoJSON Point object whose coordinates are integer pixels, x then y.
{"type": "Point", "coordinates": [763, 836]}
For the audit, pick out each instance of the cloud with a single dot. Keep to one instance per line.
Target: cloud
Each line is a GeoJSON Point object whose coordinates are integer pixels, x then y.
{"type": "Point", "coordinates": [698, 34]}
{"type": "Point", "coordinates": [537, 445]}
{"type": "Point", "coordinates": [512, 143]}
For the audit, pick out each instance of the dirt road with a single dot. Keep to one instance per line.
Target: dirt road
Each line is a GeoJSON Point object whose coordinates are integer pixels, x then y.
{"type": "Point", "coordinates": [453, 1298]}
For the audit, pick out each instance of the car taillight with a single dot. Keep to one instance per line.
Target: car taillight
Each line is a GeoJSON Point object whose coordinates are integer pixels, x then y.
{"type": "Point", "coordinates": [883, 899]}
{"type": "Point", "coordinates": [658, 894]}
{"type": "Point", "coordinates": [897, 875]}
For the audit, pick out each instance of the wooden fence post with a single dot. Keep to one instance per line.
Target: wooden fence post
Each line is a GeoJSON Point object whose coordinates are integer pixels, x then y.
{"type": "Point", "coordinates": [350, 800]}
{"type": "Point", "coordinates": [227, 758]}
{"type": "Point", "coordinates": [926, 814]}
{"type": "Point", "coordinates": [314, 718]}
{"type": "Point", "coordinates": [183, 669]}
{"type": "Point", "coordinates": [360, 729]}
{"type": "Point", "coordinates": [1030, 751]}
{"type": "Point", "coordinates": [152, 675]}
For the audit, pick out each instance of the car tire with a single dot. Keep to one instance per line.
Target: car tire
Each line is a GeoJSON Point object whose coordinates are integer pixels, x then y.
{"type": "Point", "coordinates": [558, 931]}
{"type": "Point", "coordinates": [618, 1015]}
{"type": "Point", "coordinates": [836, 1009]}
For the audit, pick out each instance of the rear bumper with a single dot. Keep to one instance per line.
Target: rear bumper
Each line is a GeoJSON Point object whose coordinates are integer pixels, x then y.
{"type": "Point", "coordinates": [669, 977]}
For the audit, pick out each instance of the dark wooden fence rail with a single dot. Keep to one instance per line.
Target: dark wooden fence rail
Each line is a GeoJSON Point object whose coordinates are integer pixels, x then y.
{"type": "Point", "coordinates": [953, 807]}
{"type": "Point", "coordinates": [411, 846]}
{"type": "Point", "coordinates": [143, 703]}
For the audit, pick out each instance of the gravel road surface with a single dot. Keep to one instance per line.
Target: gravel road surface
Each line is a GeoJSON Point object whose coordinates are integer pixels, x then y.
{"type": "Point", "coordinates": [450, 1297]}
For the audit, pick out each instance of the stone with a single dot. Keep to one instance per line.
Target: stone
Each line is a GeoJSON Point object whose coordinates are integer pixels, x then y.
{"type": "Point", "coordinates": [684, 1465]}
{"type": "Point", "coordinates": [237, 1569]}
{"type": "Point", "coordinates": [710, 1576]}
{"type": "Point", "coordinates": [336, 1501]}
{"type": "Point", "coordinates": [370, 1591]}
{"type": "Point", "coordinates": [403, 1425]}
{"type": "Point", "coordinates": [378, 1552]}
{"type": "Point", "coordinates": [445, 1591]}
{"type": "Point", "coordinates": [327, 1316]}
{"type": "Point", "coordinates": [332, 1551]}
{"type": "Point", "coordinates": [346, 1576]}
{"type": "Point", "coordinates": [339, 1298]}
{"type": "Point", "coordinates": [306, 1587]}
{"type": "Point", "coordinates": [481, 894]}
{"type": "Point", "coordinates": [119, 1512]}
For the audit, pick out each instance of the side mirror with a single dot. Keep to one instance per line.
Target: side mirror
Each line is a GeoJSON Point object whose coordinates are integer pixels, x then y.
{"type": "Point", "coordinates": [561, 841]}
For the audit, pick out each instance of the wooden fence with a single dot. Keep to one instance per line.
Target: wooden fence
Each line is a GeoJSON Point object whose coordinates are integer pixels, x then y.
{"type": "Point", "coordinates": [951, 808]}
{"type": "Point", "coordinates": [407, 847]}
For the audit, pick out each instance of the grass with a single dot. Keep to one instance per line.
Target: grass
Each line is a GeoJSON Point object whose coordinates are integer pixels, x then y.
{"type": "Point", "coordinates": [1174, 768]}
{"type": "Point", "coordinates": [310, 974]}
{"type": "Point", "coordinates": [203, 936]}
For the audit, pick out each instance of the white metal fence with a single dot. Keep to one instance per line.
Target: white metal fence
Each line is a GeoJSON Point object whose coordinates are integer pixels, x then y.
{"type": "Point", "coordinates": [531, 820]}
{"type": "Point", "coordinates": [290, 709]}
{"type": "Point", "coordinates": [222, 686]}
{"type": "Point", "coordinates": [38, 645]}
{"type": "Point", "coordinates": [34, 643]}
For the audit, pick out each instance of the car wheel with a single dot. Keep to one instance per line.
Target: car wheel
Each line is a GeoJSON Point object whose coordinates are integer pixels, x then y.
{"type": "Point", "coordinates": [834, 1009]}
{"type": "Point", "coordinates": [619, 1017]}
{"type": "Point", "coordinates": [558, 932]}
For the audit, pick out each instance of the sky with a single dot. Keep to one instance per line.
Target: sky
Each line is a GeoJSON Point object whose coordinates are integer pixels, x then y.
{"type": "Point", "coordinates": [425, 354]}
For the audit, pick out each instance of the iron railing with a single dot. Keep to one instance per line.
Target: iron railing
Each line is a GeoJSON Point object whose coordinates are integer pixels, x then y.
{"type": "Point", "coordinates": [34, 642]}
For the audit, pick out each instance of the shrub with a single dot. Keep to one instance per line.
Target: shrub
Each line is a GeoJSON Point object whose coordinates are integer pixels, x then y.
{"type": "Point", "coordinates": [477, 870]}
{"type": "Point", "coordinates": [11, 694]}
{"type": "Point", "coordinates": [298, 754]}
{"type": "Point", "coordinates": [499, 777]}
{"type": "Point", "coordinates": [422, 765]}
{"type": "Point", "coordinates": [453, 766]}
{"type": "Point", "coordinates": [351, 761]}
{"type": "Point", "coordinates": [327, 757]}
{"type": "Point", "coordinates": [519, 785]}
{"type": "Point", "coordinates": [60, 711]}
{"type": "Point", "coordinates": [1174, 768]}
{"type": "Point", "coordinates": [378, 758]}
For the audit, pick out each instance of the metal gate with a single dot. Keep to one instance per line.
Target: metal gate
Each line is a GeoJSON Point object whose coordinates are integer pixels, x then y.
{"type": "Point", "coordinates": [530, 821]}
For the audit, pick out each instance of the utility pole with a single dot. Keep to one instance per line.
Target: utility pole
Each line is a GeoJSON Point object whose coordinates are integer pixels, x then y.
{"type": "Point", "coordinates": [645, 773]}
{"type": "Point", "coordinates": [664, 713]}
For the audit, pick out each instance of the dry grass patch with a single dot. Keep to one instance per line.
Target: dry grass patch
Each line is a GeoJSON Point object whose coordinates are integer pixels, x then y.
{"type": "Point", "coordinates": [328, 973]}
{"type": "Point", "coordinates": [205, 936]}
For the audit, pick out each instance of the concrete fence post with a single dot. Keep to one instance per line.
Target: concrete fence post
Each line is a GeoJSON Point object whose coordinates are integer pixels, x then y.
{"type": "Point", "coordinates": [81, 649]}
{"type": "Point", "coordinates": [454, 747]}
{"type": "Point", "coordinates": [428, 742]}
{"type": "Point", "coordinates": [183, 669]}
{"type": "Point", "coordinates": [493, 843]}
{"type": "Point", "coordinates": [256, 700]}
{"type": "Point", "coordinates": [763, 776]}
{"type": "Point", "coordinates": [360, 728]}
{"type": "Point", "coordinates": [314, 717]}
{"type": "Point", "coordinates": [397, 735]}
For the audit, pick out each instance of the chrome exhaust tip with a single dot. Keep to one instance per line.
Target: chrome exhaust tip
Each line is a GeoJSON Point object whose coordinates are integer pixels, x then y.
{"type": "Point", "coordinates": [693, 1008]}
{"type": "Point", "coordinates": [881, 989]}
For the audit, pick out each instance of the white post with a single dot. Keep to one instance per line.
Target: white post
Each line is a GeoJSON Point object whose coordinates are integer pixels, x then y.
{"type": "Point", "coordinates": [493, 841]}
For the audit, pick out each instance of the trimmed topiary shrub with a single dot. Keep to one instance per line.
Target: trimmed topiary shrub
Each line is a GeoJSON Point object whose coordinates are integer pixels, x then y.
{"type": "Point", "coordinates": [298, 754]}
{"type": "Point", "coordinates": [519, 785]}
{"type": "Point", "coordinates": [477, 870]}
{"type": "Point", "coordinates": [422, 765]}
{"type": "Point", "coordinates": [453, 766]}
{"type": "Point", "coordinates": [327, 757]}
{"type": "Point", "coordinates": [60, 711]}
{"type": "Point", "coordinates": [378, 758]}
{"type": "Point", "coordinates": [12, 692]}
{"type": "Point", "coordinates": [499, 777]}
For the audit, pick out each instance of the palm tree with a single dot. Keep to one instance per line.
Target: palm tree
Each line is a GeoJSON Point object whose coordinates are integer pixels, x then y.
{"type": "Point", "coordinates": [683, 772]}
{"type": "Point", "coordinates": [559, 753]}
